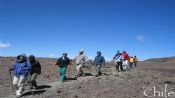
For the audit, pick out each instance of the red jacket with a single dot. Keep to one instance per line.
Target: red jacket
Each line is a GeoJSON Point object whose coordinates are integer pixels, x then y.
{"type": "Point", "coordinates": [125, 56]}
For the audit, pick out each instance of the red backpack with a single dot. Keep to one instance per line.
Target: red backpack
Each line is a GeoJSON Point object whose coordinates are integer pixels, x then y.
{"type": "Point", "coordinates": [125, 56]}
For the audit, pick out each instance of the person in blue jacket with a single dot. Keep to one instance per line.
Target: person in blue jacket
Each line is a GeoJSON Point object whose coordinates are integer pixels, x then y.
{"type": "Point", "coordinates": [98, 62]}
{"type": "Point", "coordinates": [21, 69]}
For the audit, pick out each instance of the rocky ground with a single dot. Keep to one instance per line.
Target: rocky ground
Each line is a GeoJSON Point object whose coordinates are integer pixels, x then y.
{"type": "Point", "coordinates": [146, 80]}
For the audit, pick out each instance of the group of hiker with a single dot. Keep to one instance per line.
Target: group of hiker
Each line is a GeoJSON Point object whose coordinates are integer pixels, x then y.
{"type": "Point", "coordinates": [25, 70]}
{"type": "Point", "coordinates": [124, 62]}
{"type": "Point", "coordinates": [28, 70]}
{"type": "Point", "coordinates": [80, 62]}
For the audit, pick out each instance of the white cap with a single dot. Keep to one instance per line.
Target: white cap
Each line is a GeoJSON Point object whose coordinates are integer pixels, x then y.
{"type": "Point", "coordinates": [81, 50]}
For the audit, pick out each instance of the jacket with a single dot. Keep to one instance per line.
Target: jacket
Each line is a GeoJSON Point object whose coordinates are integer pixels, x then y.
{"type": "Point", "coordinates": [21, 68]}
{"type": "Point", "coordinates": [99, 60]}
{"type": "Point", "coordinates": [35, 67]}
{"type": "Point", "coordinates": [63, 62]}
{"type": "Point", "coordinates": [80, 59]}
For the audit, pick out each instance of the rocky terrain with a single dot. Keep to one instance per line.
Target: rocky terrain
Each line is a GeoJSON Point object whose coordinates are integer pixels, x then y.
{"type": "Point", "coordinates": [151, 78]}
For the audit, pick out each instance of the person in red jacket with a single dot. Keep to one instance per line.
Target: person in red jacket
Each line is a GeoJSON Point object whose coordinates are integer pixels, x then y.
{"type": "Point", "coordinates": [125, 58]}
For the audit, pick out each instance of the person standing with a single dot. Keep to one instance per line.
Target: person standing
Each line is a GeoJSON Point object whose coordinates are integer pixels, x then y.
{"type": "Point", "coordinates": [131, 61]}
{"type": "Point", "coordinates": [80, 61]}
{"type": "Point", "coordinates": [125, 58]}
{"type": "Point", "coordinates": [34, 72]}
{"type": "Point", "coordinates": [98, 62]}
{"type": "Point", "coordinates": [21, 69]}
{"type": "Point", "coordinates": [118, 61]}
{"type": "Point", "coordinates": [62, 63]}
{"type": "Point", "coordinates": [135, 61]}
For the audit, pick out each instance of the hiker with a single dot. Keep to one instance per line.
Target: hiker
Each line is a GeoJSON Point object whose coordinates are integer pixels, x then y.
{"type": "Point", "coordinates": [21, 69]}
{"type": "Point", "coordinates": [80, 62]}
{"type": "Point", "coordinates": [131, 61]}
{"type": "Point", "coordinates": [34, 72]}
{"type": "Point", "coordinates": [62, 63]}
{"type": "Point", "coordinates": [135, 61]}
{"type": "Point", "coordinates": [98, 62]}
{"type": "Point", "coordinates": [125, 59]}
{"type": "Point", "coordinates": [118, 61]}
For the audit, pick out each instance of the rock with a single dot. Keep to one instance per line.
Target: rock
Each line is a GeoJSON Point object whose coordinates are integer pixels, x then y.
{"type": "Point", "coordinates": [58, 91]}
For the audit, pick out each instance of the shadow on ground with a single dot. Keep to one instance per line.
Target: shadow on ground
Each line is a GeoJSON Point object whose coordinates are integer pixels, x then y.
{"type": "Point", "coordinates": [40, 89]}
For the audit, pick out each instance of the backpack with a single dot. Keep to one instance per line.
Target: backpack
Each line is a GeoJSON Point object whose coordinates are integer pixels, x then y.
{"type": "Point", "coordinates": [125, 56]}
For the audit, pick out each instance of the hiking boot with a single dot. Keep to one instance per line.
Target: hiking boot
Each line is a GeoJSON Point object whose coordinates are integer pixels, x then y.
{"type": "Point", "coordinates": [83, 75]}
{"type": "Point", "coordinates": [18, 94]}
{"type": "Point", "coordinates": [96, 75]}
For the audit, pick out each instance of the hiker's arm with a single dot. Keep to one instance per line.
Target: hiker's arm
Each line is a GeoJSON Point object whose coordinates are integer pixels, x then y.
{"type": "Point", "coordinates": [10, 69]}
{"type": "Point", "coordinates": [57, 62]}
{"type": "Point", "coordinates": [114, 57]}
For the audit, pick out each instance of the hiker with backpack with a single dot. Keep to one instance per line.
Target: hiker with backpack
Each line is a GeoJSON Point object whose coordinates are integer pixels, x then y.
{"type": "Point", "coordinates": [135, 61]}
{"type": "Point", "coordinates": [125, 59]}
{"type": "Point", "coordinates": [98, 62]}
{"type": "Point", "coordinates": [62, 63]}
{"type": "Point", "coordinates": [80, 61]}
{"type": "Point", "coordinates": [118, 61]}
{"type": "Point", "coordinates": [131, 61]}
{"type": "Point", "coordinates": [21, 69]}
{"type": "Point", "coordinates": [34, 72]}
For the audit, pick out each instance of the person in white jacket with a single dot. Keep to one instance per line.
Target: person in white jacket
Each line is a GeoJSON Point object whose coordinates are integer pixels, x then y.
{"type": "Point", "coordinates": [80, 62]}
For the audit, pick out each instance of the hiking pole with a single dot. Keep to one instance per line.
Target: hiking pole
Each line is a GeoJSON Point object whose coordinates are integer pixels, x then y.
{"type": "Point", "coordinates": [11, 79]}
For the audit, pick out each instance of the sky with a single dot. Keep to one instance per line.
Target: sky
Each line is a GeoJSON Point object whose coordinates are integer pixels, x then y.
{"type": "Point", "coordinates": [47, 28]}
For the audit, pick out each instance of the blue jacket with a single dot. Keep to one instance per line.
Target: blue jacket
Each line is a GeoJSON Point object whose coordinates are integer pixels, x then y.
{"type": "Point", "coordinates": [21, 68]}
{"type": "Point", "coordinates": [99, 60]}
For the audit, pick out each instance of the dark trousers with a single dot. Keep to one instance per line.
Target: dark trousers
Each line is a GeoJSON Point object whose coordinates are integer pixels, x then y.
{"type": "Point", "coordinates": [32, 80]}
{"type": "Point", "coordinates": [131, 64]}
{"type": "Point", "coordinates": [119, 66]}
{"type": "Point", "coordinates": [135, 63]}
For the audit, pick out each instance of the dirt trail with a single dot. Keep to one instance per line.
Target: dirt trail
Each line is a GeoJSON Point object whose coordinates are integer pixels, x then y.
{"type": "Point", "coordinates": [129, 84]}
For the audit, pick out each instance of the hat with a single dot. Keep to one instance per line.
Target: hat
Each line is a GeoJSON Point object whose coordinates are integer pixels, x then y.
{"type": "Point", "coordinates": [81, 50]}
{"type": "Point", "coordinates": [99, 52]}
{"type": "Point", "coordinates": [31, 57]}
{"type": "Point", "coordinates": [64, 54]}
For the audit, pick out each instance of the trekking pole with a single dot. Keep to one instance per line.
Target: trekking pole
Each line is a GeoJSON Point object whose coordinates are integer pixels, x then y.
{"type": "Point", "coordinates": [11, 80]}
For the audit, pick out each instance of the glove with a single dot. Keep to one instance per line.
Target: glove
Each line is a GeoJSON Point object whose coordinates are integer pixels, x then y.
{"type": "Point", "coordinates": [10, 69]}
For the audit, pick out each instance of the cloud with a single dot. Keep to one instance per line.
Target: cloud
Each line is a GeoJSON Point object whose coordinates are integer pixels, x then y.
{"type": "Point", "coordinates": [140, 38]}
{"type": "Point", "coordinates": [4, 45]}
{"type": "Point", "coordinates": [51, 56]}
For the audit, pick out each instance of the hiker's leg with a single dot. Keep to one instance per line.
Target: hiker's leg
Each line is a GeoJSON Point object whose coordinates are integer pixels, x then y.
{"type": "Point", "coordinates": [15, 83]}
{"type": "Point", "coordinates": [78, 69]}
{"type": "Point", "coordinates": [29, 80]}
{"type": "Point", "coordinates": [33, 79]}
{"type": "Point", "coordinates": [135, 64]}
{"type": "Point", "coordinates": [59, 72]}
{"type": "Point", "coordinates": [98, 67]}
{"type": "Point", "coordinates": [63, 73]}
{"type": "Point", "coordinates": [116, 66]}
{"type": "Point", "coordinates": [21, 85]}
{"type": "Point", "coordinates": [121, 66]}
{"type": "Point", "coordinates": [130, 65]}
{"type": "Point", "coordinates": [81, 69]}
{"type": "Point", "coordinates": [127, 64]}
